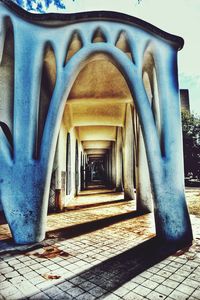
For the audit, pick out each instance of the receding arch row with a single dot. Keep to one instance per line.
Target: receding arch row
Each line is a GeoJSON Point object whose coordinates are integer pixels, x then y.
{"type": "Point", "coordinates": [171, 216]}
{"type": "Point", "coordinates": [124, 65]}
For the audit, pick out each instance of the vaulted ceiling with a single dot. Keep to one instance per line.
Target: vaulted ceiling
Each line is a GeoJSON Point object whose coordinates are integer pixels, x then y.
{"type": "Point", "coordinates": [96, 105]}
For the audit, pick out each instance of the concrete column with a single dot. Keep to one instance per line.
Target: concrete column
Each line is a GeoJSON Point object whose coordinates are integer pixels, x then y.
{"type": "Point", "coordinates": [144, 196]}
{"type": "Point", "coordinates": [128, 156]}
{"type": "Point", "coordinates": [119, 160]}
{"type": "Point", "coordinates": [73, 160]}
{"type": "Point", "coordinates": [113, 165]}
{"type": "Point", "coordinates": [84, 170]}
{"type": "Point", "coordinates": [110, 167]}
{"type": "Point", "coordinates": [171, 213]}
{"type": "Point", "coordinates": [107, 168]}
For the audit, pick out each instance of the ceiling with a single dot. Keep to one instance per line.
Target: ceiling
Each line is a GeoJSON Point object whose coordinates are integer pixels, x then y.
{"type": "Point", "coordinates": [96, 106]}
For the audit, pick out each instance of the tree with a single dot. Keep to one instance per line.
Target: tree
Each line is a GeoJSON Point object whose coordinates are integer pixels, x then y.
{"type": "Point", "coordinates": [40, 6]}
{"type": "Point", "coordinates": [191, 143]}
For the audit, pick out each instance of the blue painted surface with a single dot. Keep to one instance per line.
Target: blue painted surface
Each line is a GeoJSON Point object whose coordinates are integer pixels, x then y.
{"type": "Point", "coordinates": [25, 180]}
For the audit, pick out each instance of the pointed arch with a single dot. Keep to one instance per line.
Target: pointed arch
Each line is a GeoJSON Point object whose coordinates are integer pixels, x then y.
{"type": "Point", "coordinates": [75, 44]}
{"type": "Point", "coordinates": [122, 43]}
{"type": "Point", "coordinates": [99, 36]}
{"type": "Point", "coordinates": [48, 80]}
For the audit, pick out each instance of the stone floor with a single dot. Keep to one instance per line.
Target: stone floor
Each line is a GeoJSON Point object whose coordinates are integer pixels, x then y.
{"type": "Point", "coordinates": [106, 251]}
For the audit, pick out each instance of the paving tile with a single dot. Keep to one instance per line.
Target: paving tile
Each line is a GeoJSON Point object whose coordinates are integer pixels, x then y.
{"type": "Point", "coordinates": [175, 264]}
{"type": "Point", "coordinates": [6, 284]}
{"type": "Point", "coordinates": [11, 275]}
{"type": "Point", "coordinates": [66, 285]}
{"type": "Point", "coordinates": [85, 296]}
{"type": "Point", "coordinates": [196, 294]}
{"type": "Point", "coordinates": [97, 291]}
{"type": "Point", "coordinates": [185, 289]}
{"type": "Point", "coordinates": [191, 283]}
{"type": "Point", "coordinates": [44, 285]}
{"type": "Point", "coordinates": [181, 260]}
{"type": "Point", "coordinates": [182, 273]}
{"type": "Point", "coordinates": [2, 278]}
{"type": "Point", "coordinates": [138, 279]}
{"type": "Point", "coordinates": [130, 285]}
{"type": "Point", "coordinates": [170, 283]}
{"type": "Point", "coordinates": [39, 296]}
{"type": "Point", "coordinates": [29, 275]}
{"type": "Point", "coordinates": [37, 280]}
{"type": "Point", "coordinates": [146, 274]}
{"type": "Point", "coordinates": [155, 296]}
{"type": "Point", "coordinates": [177, 278]}
{"type": "Point", "coordinates": [121, 292]}
{"type": "Point", "coordinates": [3, 265]}
{"type": "Point", "coordinates": [142, 291]}
{"type": "Point", "coordinates": [157, 278]}
{"type": "Point", "coordinates": [170, 269]}
{"type": "Point", "coordinates": [192, 264]}
{"type": "Point", "coordinates": [87, 285]}
{"type": "Point", "coordinates": [24, 270]}
{"type": "Point", "coordinates": [177, 295]}
{"type": "Point", "coordinates": [164, 290]}
{"type": "Point", "coordinates": [8, 292]}
{"type": "Point", "coordinates": [13, 262]}
{"type": "Point", "coordinates": [132, 296]}
{"type": "Point", "coordinates": [75, 291]}
{"type": "Point", "coordinates": [17, 296]}
{"type": "Point", "coordinates": [6, 270]}
{"type": "Point", "coordinates": [77, 280]}
{"type": "Point", "coordinates": [53, 291]}
{"type": "Point", "coordinates": [150, 284]}
{"type": "Point", "coordinates": [53, 267]}
{"type": "Point", "coordinates": [164, 273]}
{"type": "Point", "coordinates": [154, 270]}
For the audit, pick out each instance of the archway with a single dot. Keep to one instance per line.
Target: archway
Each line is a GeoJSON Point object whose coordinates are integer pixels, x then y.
{"type": "Point", "coordinates": [165, 166]}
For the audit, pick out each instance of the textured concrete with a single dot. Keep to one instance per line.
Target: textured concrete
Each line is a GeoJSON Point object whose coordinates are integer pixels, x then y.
{"type": "Point", "coordinates": [27, 162]}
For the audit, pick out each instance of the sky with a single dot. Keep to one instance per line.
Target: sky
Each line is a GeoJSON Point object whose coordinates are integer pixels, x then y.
{"type": "Point", "coordinates": [180, 17]}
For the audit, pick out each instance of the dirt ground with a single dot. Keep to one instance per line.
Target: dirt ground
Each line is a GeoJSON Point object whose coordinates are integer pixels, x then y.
{"type": "Point", "coordinates": [193, 200]}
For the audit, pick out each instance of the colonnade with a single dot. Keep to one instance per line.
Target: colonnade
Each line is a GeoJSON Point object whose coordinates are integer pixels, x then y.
{"type": "Point", "coordinates": [157, 121]}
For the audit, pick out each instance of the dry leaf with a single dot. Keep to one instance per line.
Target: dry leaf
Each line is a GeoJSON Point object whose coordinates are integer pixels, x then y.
{"type": "Point", "coordinates": [51, 276]}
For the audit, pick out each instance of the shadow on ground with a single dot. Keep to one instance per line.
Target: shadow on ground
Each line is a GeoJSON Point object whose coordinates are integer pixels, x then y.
{"type": "Point", "coordinates": [116, 271]}
{"type": "Point", "coordinates": [84, 228]}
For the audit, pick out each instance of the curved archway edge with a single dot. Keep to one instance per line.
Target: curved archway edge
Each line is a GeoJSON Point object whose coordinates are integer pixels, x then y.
{"type": "Point", "coordinates": [26, 210]}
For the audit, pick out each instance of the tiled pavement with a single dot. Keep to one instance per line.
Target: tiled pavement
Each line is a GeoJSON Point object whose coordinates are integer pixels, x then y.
{"type": "Point", "coordinates": [119, 261]}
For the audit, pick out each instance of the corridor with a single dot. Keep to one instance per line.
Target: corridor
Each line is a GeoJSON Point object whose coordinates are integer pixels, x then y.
{"type": "Point", "coordinates": [96, 146]}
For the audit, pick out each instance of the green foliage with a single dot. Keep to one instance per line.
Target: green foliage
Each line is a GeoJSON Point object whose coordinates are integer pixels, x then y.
{"type": "Point", "coordinates": [40, 6]}
{"type": "Point", "coordinates": [191, 143]}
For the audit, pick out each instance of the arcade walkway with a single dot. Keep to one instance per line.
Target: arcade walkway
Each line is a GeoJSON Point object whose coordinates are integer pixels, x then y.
{"type": "Point", "coordinates": [99, 248]}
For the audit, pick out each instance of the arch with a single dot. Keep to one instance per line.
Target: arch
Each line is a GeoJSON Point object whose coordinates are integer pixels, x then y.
{"type": "Point", "coordinates": [47, 85]}
{"type": "Point", "coordinates": [7, 132]}
{"type": "Point", "coordinates": [120, 60]}
{"type": "Point", "coordinates": [7, 69]}
{"type": "Point", "coordinates": [74, 45]}
{"type": "Point", "coordinates": [150, 76]}
{"type": "Point", "coordinates": [159, 171]}
{"type": "Point", "coordinates": [99, 36]}
{"type": "Point", "coordinates": [122, 43]}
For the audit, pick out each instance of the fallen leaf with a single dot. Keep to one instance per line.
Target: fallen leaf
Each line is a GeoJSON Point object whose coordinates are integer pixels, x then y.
{"type": "Point", "coordinates": [50, 252]}
{"type": "Point", "coordinates": [50, 276]}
